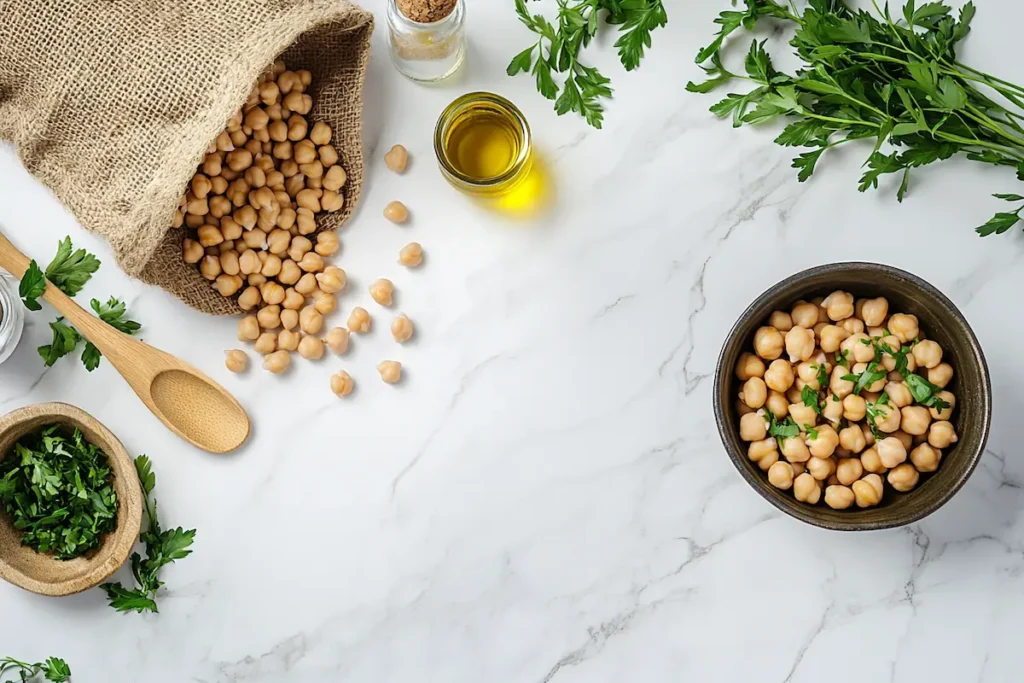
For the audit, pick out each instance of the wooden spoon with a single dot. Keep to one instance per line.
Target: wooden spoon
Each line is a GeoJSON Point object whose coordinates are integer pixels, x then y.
{"type": "Point", "coordinates": [191, 404]}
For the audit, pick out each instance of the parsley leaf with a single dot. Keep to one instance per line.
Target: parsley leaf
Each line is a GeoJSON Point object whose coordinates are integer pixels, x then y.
{"type": "Point", "coordinates": [812, 433]}
{"type": "Point", "coordinates": [810, 398]}
{"type": "Point", "coordinates": [65, 339]}
{"type": "Point", "coordinates": [842, 358]}
{"type": "Point", "coordinates": [162, 548]}
{"type": "Point", "coordinates": [924, 392]}
{"type": "Point", "coordinates": [53, 669]}
{"type": "Point", "coordinates": [785, 429]}
{"type": "Point", "coordinates": [70, 269]}
{"type": "Point", "coordinates": [32, 286]}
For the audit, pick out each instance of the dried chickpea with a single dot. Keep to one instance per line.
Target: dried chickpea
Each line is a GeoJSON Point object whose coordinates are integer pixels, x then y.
{"type": "Point", "coordinates": [236, 360]}
{"type": "Point", "coordinates": [286, 219]}
{"type": "Point", "coordinates": [320, 134]}
{"type": "Point", "coordinates": [312, 170]}
{"type": "Point", "coordinates": [328, 156]}
{"type": "Point", "coordinates": [753, 427]}
{"type": "Point", "coordinates": [192, 251]}
{"type": "Point", "coordinates": [838, 305]}
{"type": "Point", "coordinates": [297, 128]}
{"type": "Point", "coordinates": [899, 394]}
{"type": "Point", "coordinates": [359, 320]}
{"type": "Point", "coordinates": [256, 119]}
{"type": "Point", "coordinates": [304, 151]}
{"type": "Point", "coordinates": [779, 375]}
{"type": "Point", "coordinates": [228, 285]}
{"type": "Point", "coordinates": [278, 241]}
{"type": "Point", "coordinates": [290, 272]}
{"type": "Point", "coordinates": [272, 293]}
{"type": "Point", "coordinates": [249, 299]}
{"type": "Point", "coordinates": [337, 339]}
{"type": "Point", "coordinates": [768, 343]}
{"type": "Point", "coordinates": [925, 458]}
{"type": "Point", "coordinates": [941, 434]}
{"type": "Point", "coordinates": [940, 375]}
{"type": "Point", "coordinates": [311, 262]}
{"type": "Point", "coordinates": [307, 284]}
{"type": "Point", "coordinates": [807, 489]}
{"type": "Point", "coordinates": [867, 492]}
{"type": "Point", "coordinates": [283, 150]}
{"type": "Point", "coordinates": [286, 82]}
{"type": "Point", "coordinates": [852, 439]}
{"type": "Point", "coordinates": [255, 238]}
{"type": "Point", "coordinates": [849, 470]}
{"type": "Point", "coordinates": [271, 266]}
{"type": "Point", "coordinates": [277, 362]}
{"type": "Point", "coordinates": [304, 221]}
{"type": "Point", "coordinates": [238, 160]}
{"type": "Point", "coordinates": [780, 475]}
{"type": "Point", "coordinates": [230, 229]}
{"type": "Point", "coordinates": [401, 328]}
{"type": "Point", "coordinates": [331, 201]}
{"type": "Point", "coordinates": [903, 477]}
{"type": "Point", "coordinates": [749, 366]}
{"type": "Point", "coordinates": [248, 328]}
{"type": "Point", "coordinates": [396, 212]}
{"type": "Point", "coordinates": [794, 449]}
{"type": "Point", "coordinates": [904, 327]}
{"type": "Point", "coordinates": [293, 300]}
{"type": "Point", "coordinates": [915, 420]}
{"type": "Point", "coordinates": [324, 302]}
{"type": "Point", "coordinates": [298, 102]}
{"type": "Point", "coordinates": [300, 246]}
{"type": "Point", "coordinates": [824, 444]}
{"type": "Point", "coordinates": [278, 131]}
{"type": "Point", "coordinates": [266, 343]}
{"type": "Point", "coordinates": [194, 221]}
{"type": "Point", "coordinates": [212, 165]}
{"type": "Point", "coordinates": [219, 207]}
{"type": "Point", "coordinates": [927, 353]}
{"type": "Point", "coordinates": [327, 243]}
{"type": "Point", "coordinates": [288, 340]}
{"type": "Point", "coordinates": [290, 318]}
{"type": "Point", "coordinates": [802, 415]}
{"type": "Point", "coordinates": [411, 255]}
{"type": "Point", "coordinates": [249, 262]}
{"type": "Point", "coordinates": [269, 317]}
{"type": "Point", "coordinates": [854, 408]}
{"type": "Point", "coordinates": [396, 159]}
{"type": "Point", "coordinates": [821, 468]}
{"type": "Point", "coordinates": [382, 292]}
{"type": "Point", "coordinates": [946, 412]}
{"type": "Point", "coordinates": [310, 320]}
{"type": "Point", "coordinates": [311, 348]}
{"type": "Point", "coordinates": [334, 179]}
{"type": "Point", "coordinates": [209, 267]}
{"type": "Point", "coordinates": [799, 343]}
{"type": "Point", "coordinates": [341, 383]}
{"type": "Point", "coordinates": [390, 371]}
{"type": "Point", "coordinates": [765, 453]}
{"type": "Point", "coordinates": [201, 186]}
{"type": "Point", "coordinates": [754, 393]}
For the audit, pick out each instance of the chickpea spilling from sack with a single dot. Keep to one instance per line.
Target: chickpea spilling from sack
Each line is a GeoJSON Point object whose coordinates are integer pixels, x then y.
{"type": "Point", "coordinates": [839, 394]}
{"type": "Point", "coordinates": [250, 214]}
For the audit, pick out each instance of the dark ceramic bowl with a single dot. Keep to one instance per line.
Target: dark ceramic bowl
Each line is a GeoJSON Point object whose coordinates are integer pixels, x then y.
{"type": "Point", "coordinates": [940, 320]}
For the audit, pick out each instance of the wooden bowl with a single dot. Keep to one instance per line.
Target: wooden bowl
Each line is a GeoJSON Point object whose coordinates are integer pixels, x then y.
{"type": "Point", "coordinates": [940, 320]}
{"type": "Point", "coordinates": [41, 573]}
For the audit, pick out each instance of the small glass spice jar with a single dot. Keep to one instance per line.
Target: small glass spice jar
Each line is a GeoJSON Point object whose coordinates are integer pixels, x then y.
{"type": "Point", "coordinates": [12, 317]}
{"type": "Point", "coordinates": [427, 37]}
{"type": "Point", "coordinates": [483, 144]}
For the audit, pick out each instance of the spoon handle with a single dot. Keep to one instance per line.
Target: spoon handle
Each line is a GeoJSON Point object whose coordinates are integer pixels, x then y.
{"type": "Point", "coordinates": [92, 328]}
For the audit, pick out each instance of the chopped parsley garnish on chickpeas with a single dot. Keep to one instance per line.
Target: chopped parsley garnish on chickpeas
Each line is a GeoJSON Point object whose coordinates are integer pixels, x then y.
{"type": "Point", "coordinates": [839, 397]}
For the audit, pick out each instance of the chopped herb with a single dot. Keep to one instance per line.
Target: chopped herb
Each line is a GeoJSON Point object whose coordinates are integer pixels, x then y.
{"type": "Point", "coordinates": [870, 375]}
{"type": "Point", "coordinates": [812, 433]}
{"type": "Point", "coordinates": [53, 669]}
{"type": "Point", "coordinates": [850, 378]}
{"type": "Point", "coordinates": [835, 399]}
{"type": "Point", "coordinates": [842, 358]}
{"type": "Point", "coordinates": [810, 398]}
{"type": "Point", "coordinates": [822, 376]}
{"type": "Point", "coordinates": [925, 392]}
{"type": "Point", "coordinates": [785, 429]}
{"type": "Point", "coordinates": [866, 341]}
{"type": "Point", "coordinates": [58, 490]}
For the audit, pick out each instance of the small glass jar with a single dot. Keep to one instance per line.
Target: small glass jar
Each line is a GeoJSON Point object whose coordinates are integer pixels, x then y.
{"type": "Point", "coordinates": [427, 51]}
{"type": "Point", "coordinates": [12, 317]}
{"type": "Point", "coordinates": [483, 144]}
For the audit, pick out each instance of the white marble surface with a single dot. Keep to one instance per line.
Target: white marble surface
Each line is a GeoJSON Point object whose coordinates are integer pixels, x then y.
{"type": "Point", "coordinates": [545, 498]}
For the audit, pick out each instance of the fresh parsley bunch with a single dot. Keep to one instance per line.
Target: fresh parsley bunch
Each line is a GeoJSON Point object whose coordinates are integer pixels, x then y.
{"type": "Point", "coordinates": [162, 548]}
{"type": "Point", "coordinates": [877, 77]}
{"type": "Point", "coordinates": [53, 669]}
{"type": "Point", "coordinates": [69, 270]}
{"type": "Point", "coordinates": [58, 491]}
{"type": "Point", "coordinates": [558, 46]}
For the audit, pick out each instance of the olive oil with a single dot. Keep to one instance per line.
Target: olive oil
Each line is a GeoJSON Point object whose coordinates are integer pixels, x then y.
{"type": "Point", "coordinates": [482, 142]}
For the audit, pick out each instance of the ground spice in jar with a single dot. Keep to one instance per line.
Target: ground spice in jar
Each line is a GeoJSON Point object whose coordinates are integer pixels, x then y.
{"type": "Point", "coordinates": [426, 11]}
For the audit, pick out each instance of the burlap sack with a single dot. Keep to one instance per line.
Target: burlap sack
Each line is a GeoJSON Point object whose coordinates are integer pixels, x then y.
{"type": "Point", "coordinates": [112, 103]}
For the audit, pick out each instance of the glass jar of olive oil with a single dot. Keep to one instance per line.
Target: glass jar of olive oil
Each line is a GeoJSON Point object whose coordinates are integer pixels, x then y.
{"type": "Point", "coordinates": [483, 145]}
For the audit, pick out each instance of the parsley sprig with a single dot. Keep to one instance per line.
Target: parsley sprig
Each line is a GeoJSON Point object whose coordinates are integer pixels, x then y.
{"type": "Point", "coordinates": [53, 669]}
{"type": "Point", "coordinates": [558, 47]}
{"type": "Point", "coordinates": [162, 548]}
{"type": "Point", "coordinates": [58, 490]}
{"type": "Point", "coordinates": [878, 77]}
{"type": "Point", "coordinates": [781, 429]}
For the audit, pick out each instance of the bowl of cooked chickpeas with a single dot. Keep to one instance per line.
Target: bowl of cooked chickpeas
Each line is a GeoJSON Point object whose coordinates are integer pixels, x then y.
{"type": "Point", "coordinates": [853, 396]}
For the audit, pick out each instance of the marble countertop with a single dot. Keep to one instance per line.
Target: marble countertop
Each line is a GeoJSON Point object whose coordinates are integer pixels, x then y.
{"type": "Point", "coordinates": [545, 498]}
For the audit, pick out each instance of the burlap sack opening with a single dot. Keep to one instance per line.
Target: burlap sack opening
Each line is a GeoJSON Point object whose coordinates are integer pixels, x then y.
{"type": "Point", "coordinates": [112, 103]}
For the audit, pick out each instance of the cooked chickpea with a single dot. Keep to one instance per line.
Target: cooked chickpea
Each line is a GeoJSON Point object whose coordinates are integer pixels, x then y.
{"type": "Point", "coordinates": [915, 420]}
{"type": "Point", "coordinates": [236, 360]}
{"type": "Point", "coordinates": [401, 328]}
{"type": "Point", "coordinates": [390, 371]}
{"type": "Point", "coordinates": [802, 415]}
{"type": "Point", "coordinates": [899, 394]}
{"type": "Point", "coordinates": [849, 470]}
{"type": "Point", "coordinates": [904, 327]}
{"type": "Point", "coordinates": [780, 475]}
{"type": "Point", "coordinates": [331, 280]}
{"type": "Point", "coordinates": [903, 477]}
{"type": "Point", "coordinates": [858, 347]}
{"type": "Point", "coordinates": [342, 383]}
{"type": "Point", "coordinates": [742, 408]}
{"type": "Point", "coordinates": [838, 305]}
{"type": "Point", "coordinates": [799, 343]}
{"type": "Point", "coordinates": [288, 340]}
{"type": "Point", "coordinates": [359, 320]}
{"type": "Point", "coordinates": [869, 436]}
{"type": "Point", "coordinates": [868, 491]}
{"type": "Point", "coordinates": [753, 427]}
{"type": "Point", "coordinates": [798, 468]}
{"type": "Point", "coordinates": [927, 353]}
{"type": "Point", "coordinates": [941, 434]}
{"type": "Point", "coordinates": [754, 392]}
{"type": "Point", "coordinates": [925, 458]}
{"type": "Point", "coordinates": [765, 453]}
{"type": "Point", "coordinates": [748, 366]}
{"type": "Point", "coordinates": [824, 444]}
{"type": "Point", "coordinates": [852, 439]}
{"type": "Point", "coordinates": [396, 212]}
{"type": "Point", "coordinates": [248, 328]}
{"type": "Point", "coordinates": [779, 375]}
{"type": "Point", "coordinates": [852, 325]}
{"type": "Point", "coordinates": [794, 449]}
{"type": "Point", "coordinates": [854, 408]}
{"type": "Point", "coordinates": [906, 439]}
{"type": "Point", "coordinates": [266, 343]}
{"type": "Point", "coordinates": [887, 417]}
{"type": "Point", "coordinates": [804, 314]}
{"type": "Point", "coordinates": [872, 462]}
{"type": "Point", "coordinates": [778, 404]}
{"type": "Point", "coordinates": [832, 410]}
{"type": "Point", "coordinates": [831, 337]}
{"type": "Point", "coordinates": [807, 372]}
{"type": "Point", "coordinates": [946, 412]}
{"type": "Point", "coordinates": [311, 348]}
{"type": "Point", "coordinates": [837, 385]}
{"type": "Point", "coordinates": [940, 375]}
{"type": "Point", "coordinates": [891, 451]}
{"type": "Point", "coordinates": [794, 394]}
{"type": "Point", "coordinates": [277, 362]}
{"type": "Point", "coordinates": [874, 311]}
{"type": "Point", "coordinates": [310, 320]}
{"type": "Point", "coordinates": [807, 489]}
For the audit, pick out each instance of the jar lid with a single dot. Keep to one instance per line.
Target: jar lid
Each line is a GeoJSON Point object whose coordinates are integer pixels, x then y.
{"type": "Point", "coordinates": [426, 11]}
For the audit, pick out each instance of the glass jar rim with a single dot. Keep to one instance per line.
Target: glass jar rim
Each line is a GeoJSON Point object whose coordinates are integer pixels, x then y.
{"type": "Point", "coordinates": [459, 105]}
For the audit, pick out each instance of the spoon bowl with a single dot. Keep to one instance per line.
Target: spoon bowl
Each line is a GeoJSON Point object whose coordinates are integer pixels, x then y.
{"type": "Point", "coordinates": [191, 404]}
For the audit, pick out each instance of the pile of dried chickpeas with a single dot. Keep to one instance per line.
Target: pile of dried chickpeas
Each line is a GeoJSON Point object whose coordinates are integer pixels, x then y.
{"type": "Point", "coordinates": [250, 219]}
{"type": "Point", "coordinates": [838, 394]}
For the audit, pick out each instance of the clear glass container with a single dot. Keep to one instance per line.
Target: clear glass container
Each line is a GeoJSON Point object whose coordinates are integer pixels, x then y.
{"type": "Point", "coordinates": [12, 317]}
{"type": "Point", "coordinates": [427, 51]}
